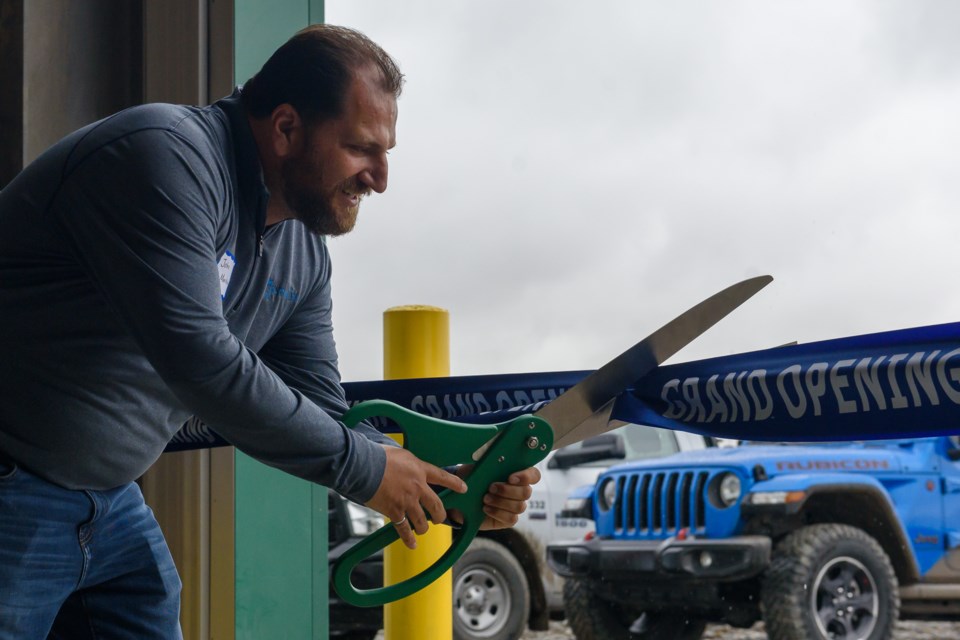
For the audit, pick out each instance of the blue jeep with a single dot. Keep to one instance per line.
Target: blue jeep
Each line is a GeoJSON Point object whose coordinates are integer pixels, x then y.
{"type": "Point", "coordinates": [820, 541]}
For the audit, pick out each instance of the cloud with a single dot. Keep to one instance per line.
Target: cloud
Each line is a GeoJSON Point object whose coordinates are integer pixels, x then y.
{"type": "Point", "coordinates": [568, 177]}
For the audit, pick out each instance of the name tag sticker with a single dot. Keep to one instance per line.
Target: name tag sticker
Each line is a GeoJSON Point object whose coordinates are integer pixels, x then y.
{"type": "Point", "coordinates": [226, 265]}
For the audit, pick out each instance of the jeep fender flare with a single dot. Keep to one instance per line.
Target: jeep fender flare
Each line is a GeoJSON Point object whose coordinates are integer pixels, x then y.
{"type": "Point", "coordinates": [829, 498]}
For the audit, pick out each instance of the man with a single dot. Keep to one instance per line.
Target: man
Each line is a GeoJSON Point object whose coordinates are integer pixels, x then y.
{"type": "Point", "coordinates": [134, 259]}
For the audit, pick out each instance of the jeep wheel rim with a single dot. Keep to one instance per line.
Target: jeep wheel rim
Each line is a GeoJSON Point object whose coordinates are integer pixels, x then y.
{"type": "Point", "coordinates": [845, 601]}
{"type": "Point", "coordinates": [481, 601]}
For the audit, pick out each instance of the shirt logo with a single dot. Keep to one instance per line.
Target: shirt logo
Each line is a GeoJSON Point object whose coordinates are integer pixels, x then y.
{"type": "Point", "coordinates": [273, 291]}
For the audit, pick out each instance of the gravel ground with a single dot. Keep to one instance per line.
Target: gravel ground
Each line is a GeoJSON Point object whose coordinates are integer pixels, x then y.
{"type": "Point", "coordinates": [905, 631]}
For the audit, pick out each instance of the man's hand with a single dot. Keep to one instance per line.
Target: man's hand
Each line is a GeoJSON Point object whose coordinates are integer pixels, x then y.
{"type": "Point", "coordinates": [406, 498]}
{"type": "Point", "coordinates": [504, 501]}
{"type": "Point", "coordinates": [404, 493]}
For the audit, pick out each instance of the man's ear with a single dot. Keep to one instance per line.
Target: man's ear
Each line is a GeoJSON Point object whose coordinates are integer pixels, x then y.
{"type": "Point", "coordinates": [287, 134]}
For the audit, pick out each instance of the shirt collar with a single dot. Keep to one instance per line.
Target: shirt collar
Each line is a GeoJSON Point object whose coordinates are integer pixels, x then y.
{"type": "Point", "coordinates": [250, 181]}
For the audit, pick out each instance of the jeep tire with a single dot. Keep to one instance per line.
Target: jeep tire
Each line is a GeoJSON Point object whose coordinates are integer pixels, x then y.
{"type": "Point", "coordinates": [491, 597]}
{"type": "Point", "coordinates": [830, 580]}
{"type": "Point", "coordinates": [592, 618]}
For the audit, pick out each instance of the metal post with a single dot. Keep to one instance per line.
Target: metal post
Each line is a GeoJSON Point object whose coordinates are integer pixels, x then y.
{"type": "Point", "coordinates": [416, 344]}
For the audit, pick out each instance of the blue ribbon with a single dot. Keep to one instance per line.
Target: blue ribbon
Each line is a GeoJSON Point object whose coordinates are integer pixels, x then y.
{"type": "Point", "coordinates": [896, 384]}
{"type": "Point", "coordinates": [477, 399]}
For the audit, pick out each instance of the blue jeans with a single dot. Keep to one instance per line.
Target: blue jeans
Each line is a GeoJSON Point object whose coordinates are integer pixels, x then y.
{"type": "Point", "coordinates": [82, 564]}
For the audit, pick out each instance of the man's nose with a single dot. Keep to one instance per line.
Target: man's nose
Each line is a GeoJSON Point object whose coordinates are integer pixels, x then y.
{"type": "Point", "coordinates": [375, 177]}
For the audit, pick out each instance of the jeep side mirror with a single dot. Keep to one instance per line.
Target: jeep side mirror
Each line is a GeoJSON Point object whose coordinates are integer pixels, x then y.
{"type": "Point", "coordinates": [602, 447]}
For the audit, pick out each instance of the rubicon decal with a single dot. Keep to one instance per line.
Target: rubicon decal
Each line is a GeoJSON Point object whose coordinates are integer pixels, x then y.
{"type": "Point", "coordinates": [833, 465]}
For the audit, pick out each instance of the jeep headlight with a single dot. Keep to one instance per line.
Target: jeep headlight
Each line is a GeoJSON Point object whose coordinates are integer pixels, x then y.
{"type": "Point", "coordinates": [363, 521]}
{"type": "Point", "coordinates": [608, 494]}
{"type": "Point", "coordinates": [729, 489]}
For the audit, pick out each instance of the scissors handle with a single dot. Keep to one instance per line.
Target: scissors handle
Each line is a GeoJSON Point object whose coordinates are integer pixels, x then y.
{"type": "Point", "coordinates": [520, 443]}
{"type": "Point", "coordinates": [439, 442]}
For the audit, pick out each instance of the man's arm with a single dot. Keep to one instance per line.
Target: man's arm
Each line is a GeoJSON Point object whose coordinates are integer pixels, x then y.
{"type": "Point", "coordinates": [304, 354]}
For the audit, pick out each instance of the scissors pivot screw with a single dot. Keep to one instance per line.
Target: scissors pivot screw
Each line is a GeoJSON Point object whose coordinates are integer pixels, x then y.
{"type": "Point", "coordinates": [531, 425]}
{"type": "Point", "coordinates": [533, 442]}
{"type": "Point", "coordinates": [501, 459]}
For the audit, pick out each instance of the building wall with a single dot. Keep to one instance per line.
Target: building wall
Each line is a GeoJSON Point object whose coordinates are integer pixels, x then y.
{"type": "Point", "coordinates": [82, 61]}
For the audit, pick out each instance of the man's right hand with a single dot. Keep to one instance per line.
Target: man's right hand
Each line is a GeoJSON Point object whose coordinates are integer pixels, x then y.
{"type": "Point", "coordinates": [404, 493]}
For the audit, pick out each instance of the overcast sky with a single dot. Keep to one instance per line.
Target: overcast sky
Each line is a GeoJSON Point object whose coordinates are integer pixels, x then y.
{"type": "Point", "coordinates": [571, 175]}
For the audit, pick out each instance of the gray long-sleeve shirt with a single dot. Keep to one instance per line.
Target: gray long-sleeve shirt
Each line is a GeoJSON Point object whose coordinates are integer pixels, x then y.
{"type": "Point", "coordinates": [138, 287]}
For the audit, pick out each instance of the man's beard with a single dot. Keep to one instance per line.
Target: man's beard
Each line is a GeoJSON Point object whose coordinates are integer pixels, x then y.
{"type": "Point", "coordinates": [312, 204]}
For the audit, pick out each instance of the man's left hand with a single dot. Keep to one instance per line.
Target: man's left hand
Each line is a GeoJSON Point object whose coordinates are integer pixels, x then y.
{"type": "Point", "coordinates": [505, 501]}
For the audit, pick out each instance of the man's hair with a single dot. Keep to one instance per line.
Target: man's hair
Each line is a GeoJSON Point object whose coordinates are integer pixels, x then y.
{"type": "Point", "coordinates": [313, 71]}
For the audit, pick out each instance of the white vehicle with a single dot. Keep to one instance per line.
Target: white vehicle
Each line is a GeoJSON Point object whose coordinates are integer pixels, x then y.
{"type": "Point", "coordinates": [502, 584]}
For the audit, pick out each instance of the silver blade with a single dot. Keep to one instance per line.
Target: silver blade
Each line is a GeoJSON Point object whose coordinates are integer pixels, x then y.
{"type": "Point", "coordinates": [584, 409]}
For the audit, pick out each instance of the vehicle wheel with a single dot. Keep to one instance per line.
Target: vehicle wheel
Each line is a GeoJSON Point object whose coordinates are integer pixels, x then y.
{"type": "Point", "coordinates": [591, 617]}
{"type": "Point", "coordinates": [491, 599]}
{"type": "Point", "coordinates": [830, 581]}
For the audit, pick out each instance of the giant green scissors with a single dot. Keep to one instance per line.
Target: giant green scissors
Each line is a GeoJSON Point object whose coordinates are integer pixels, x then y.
{"type": "Point", "coordinates": [497, 450]}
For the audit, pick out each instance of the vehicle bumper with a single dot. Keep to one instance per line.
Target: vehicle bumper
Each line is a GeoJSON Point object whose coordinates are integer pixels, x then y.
{"type": "Point", "coordinates": [726, 560]}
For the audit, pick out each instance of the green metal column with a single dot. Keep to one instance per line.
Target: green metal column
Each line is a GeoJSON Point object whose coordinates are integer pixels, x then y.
{"type": "Point", "coordinates": [281, 555]}
{"type": "Point", "coordinates": [281, 521]}
{"type": "Point", "coordinates": [263, 25]}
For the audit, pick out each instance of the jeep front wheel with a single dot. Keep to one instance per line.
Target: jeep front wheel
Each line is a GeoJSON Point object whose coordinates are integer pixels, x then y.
{"type": "Point", "coordinates": [592, 618]}
{"type": "Point", "coordinates": [830, 581]}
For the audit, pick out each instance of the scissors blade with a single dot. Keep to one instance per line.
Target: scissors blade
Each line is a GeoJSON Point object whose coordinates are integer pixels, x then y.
{"type": "Point", "coordinates": [584, 409]}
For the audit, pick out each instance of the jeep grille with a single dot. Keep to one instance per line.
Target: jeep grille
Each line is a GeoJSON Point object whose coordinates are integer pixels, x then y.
{"type": "Point", "coordinates": [661, 502]}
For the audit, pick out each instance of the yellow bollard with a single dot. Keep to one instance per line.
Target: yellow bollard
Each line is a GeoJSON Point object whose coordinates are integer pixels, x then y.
{"type": "Point", "coordinates": [416, 344]}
